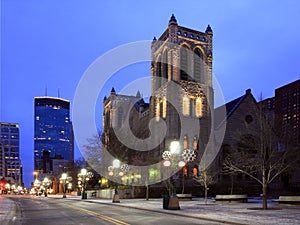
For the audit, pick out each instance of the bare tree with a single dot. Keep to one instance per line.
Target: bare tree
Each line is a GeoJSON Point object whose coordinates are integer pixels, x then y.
{"type": "Point", "coordinates": [93, 149]}
{"type": "Point", "coordinates": [205, 179]}
{"type": "Point", "coordinates": [92, 158]}
{"type": "Point", "coordinates": [258, 155]}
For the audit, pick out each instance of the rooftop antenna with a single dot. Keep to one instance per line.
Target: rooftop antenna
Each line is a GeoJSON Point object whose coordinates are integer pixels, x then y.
{"type": "Point", "coordinates": [46, 94]}
{"type": "Point", "coordinates": [58, 93]}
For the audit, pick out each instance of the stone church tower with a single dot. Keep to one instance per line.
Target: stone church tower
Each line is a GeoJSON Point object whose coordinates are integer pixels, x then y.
{"type": "Point", "coordinates": [182, 100]}
{"type": "Point", "coordinates": [182, 93]}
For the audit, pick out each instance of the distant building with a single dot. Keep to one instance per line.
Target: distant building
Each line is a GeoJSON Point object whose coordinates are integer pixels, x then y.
{"type": "Point", "coordinates": [53, 135]}
{"type": "Point", "coordinates": [268, 105]}
{"type": "Point", "coordinates": [283, 111]}
{"type": "Point", "coordinates": [2, 161]}
{"type": "Point", "coordinates": [287, 111]}
{"type": "Point", "coordinates": [10, 162]}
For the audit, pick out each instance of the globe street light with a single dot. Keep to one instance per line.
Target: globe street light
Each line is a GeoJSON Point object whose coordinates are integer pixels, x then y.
{"type": "Point", "coordinates": [70, 186]}
{"type": "Point", "coordinates": [35, 174]}
{"type": "Point", "coordinates": [116, 165]}
{"type": "Point", "coordinates": [117, 170]}
{"type": "Point", "coordinates": [63, 179]}
{"type": "Point", "coordinates": [84, 176]}
{"type": "Point", "coordinates": [172, 159]}
{"type": "Point", "coordinates": [36, 185]}
{"type": "Point", "coordinates": [46, 183]}
{"type": "Point", "coordinates": [175, 147]}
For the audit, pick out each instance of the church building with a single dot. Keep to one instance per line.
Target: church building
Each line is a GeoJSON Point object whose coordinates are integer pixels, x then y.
{"type": "Point", "coordinates": [180, 109]}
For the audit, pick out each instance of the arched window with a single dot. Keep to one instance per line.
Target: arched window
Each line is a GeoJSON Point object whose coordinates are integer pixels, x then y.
{"type": "Point", "coordinates": [165, 65]}
{"type": "Point", "coordinates": [184, 63]}
{"type": "Point", "coordinates": [247, 143]}
{"type": "Point", "coordinates": [198, 65]}
{"type": "Point", "coordinates": [185, 142]}
{"type": "Point", "coordinates": [158, 73]}
{"type": "Point", "coordinates": [185, 106]}
{"type": "Point", "coordinates": [185, 171]}
{"type": "Point", "coordinates": [107, 119]}
{"type": "Point", "coordinates": [198, 107]}
{"type": "Point", "coordinates": [195, 171]}
{"type": "Point", "coordinates": [157, 116]}
{"type": "Point", "coordinates": [164, 109]}
{"type": "Point", "coordinates": [120, 117]}
{"type": "Point", "coordinates": [195, 144]}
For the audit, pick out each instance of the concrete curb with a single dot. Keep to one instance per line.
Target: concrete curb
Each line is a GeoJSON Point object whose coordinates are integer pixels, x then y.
{"type": "Point", "coordinates": [163, 211]}
{"type": "Point", "coordinates": [9, 218]}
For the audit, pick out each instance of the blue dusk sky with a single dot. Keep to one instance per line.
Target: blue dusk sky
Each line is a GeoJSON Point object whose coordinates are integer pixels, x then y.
{"type": "Point", "coordinates": [51, 43]}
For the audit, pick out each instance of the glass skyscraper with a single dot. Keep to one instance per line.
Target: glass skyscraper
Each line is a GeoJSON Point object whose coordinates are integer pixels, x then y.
{"type": "Point", "coordinates": [53, 133]}
{"type": "Point", "coordinates": [10, 163]}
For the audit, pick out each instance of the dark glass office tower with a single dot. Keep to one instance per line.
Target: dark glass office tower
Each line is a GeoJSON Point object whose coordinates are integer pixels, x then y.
{"type": "Point", "coordinates": [10, 163]}
{"type": "Point", "coordinates": [53, 134]}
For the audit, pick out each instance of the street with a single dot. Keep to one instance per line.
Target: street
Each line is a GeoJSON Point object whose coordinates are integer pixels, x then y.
{"type": "Point", "coordinates": [57, 211]}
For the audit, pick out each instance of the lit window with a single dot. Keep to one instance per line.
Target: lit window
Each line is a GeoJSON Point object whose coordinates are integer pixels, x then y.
{"type": "Point", "coordinates": [185, 143]}
{"type": "Point", "coordinates": [157, 111]}
{"type": "Point", "coordinates": [37, 118]}
{"type": "Point", "coordinates": [185, 106]}
{"type": "Point", "coordinates": [198, 107]}
{"type": "Point", "coordinates": [195, 144]}
{"type": "Point", "coordinates": [185, 171]}
{"type": "Point", "coordinates": [164, 115]}
{"type": "Point", "coordinates": [195, 171]}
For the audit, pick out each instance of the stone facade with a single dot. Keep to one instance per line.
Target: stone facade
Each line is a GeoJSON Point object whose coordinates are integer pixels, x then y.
{"type": "Point", "coordinates": [182, 99]}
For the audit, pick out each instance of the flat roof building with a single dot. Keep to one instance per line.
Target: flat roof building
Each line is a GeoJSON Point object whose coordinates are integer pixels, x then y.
{"type": "Point", "coordinates": [10, 162]}
{"type": "Point", "coordinates": [53, 133]}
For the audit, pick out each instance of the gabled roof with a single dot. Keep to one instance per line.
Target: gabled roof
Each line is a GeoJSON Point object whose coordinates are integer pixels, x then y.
{"type": "Point", "coordinates": [141, 103]}
{"type": "Point", "coordinates": [230, 107]}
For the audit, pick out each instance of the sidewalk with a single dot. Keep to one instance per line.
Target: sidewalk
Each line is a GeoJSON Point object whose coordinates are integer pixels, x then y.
{"type": "Point", "coordinates": [7, 211]}
{"type": "Point", "coordinates": [231, 213]}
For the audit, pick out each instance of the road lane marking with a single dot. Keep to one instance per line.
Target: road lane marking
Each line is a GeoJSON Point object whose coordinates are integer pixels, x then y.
{"type": "Point", "coordinates": [106, 218]}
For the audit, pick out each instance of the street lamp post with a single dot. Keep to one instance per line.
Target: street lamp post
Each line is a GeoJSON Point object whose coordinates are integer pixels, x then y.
{"type": "Point", "coordinates": [46, 183]}
{"type": "Point", "coordinates": [36, 185]}
{"type": "Point", "coordinates": [83, 178]}
{"type": "Point", "coordinates": [175, 158]}
{"type": "Point", "coordinates": [63, 179]}
{"type": "Point", "coordinates": [171, 158]}
{"type": "Point", "coordinates": [83, 174]}
{"type": "Point", "coordinates": [35, 175]}
{"type": "Point", "coordinates": [117, 170]}
{"type": "Point", "coordinates": [116, 198]}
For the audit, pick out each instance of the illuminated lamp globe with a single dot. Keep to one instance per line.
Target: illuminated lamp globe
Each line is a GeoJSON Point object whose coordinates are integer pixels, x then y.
{"type": "Point", "coordinates": [167, 163]}
{"type": "Point", "coordinates": [181, 164]}
{"type": "Point", "coordinates": [174, 147]}
{"type": "Point", "coordinates": [116, 163]}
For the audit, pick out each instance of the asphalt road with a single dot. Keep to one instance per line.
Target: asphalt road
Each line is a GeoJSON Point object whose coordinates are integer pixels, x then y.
{"type": "Point", "coordinates": [48, 211]}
